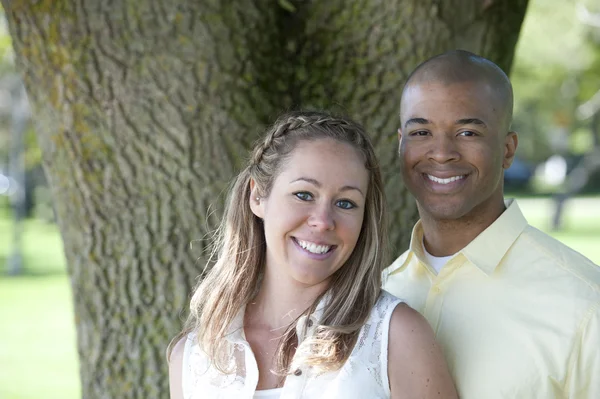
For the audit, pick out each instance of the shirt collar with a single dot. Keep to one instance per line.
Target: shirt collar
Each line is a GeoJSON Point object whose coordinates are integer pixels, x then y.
{"type": "Point", "coordinates": [485, 251]}
{"type": "Point", "coordinates": [415, 249]}
{"type": "Point", "coordinates": [235, 334]}
{"type": "Point", "coordinates": [310, 322]}
{"type": "Point", "coordinates": [488, 248]}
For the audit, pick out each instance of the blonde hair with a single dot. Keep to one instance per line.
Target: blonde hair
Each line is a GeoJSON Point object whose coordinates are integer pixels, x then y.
{"type": "Point", "coordinates": [240, 252]}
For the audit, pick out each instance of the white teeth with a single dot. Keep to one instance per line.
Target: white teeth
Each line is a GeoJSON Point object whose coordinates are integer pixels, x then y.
{"type": "Point", "coordinates": [314, 248]}
{"type": "Point", "coordinates": [445, 181]}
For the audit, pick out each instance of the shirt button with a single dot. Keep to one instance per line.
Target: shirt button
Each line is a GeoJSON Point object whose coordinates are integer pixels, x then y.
{"type": "Point", "coordinates": [298, 372]}
{"type": "Point", "coordinates": [436, 290]}
{"type": "Point", "coordinates": [310, 323]}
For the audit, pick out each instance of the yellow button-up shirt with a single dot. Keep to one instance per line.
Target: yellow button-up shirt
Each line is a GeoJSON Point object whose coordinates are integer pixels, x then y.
{"type": "Point", "coordinates": [516, 312]}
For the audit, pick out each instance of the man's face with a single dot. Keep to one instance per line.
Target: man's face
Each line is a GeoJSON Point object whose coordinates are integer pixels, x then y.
{"type": "Point", "coordinates": [453, 148]}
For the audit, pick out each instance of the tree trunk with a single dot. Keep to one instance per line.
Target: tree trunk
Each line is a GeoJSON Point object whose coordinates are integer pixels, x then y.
{"type": "Point", "coordinates": [145, 110]}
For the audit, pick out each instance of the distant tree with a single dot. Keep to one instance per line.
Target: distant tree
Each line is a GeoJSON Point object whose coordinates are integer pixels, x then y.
{"type": "Point", "coordinates": [145, 110]}
{"type": "Point", "coordinates": [557, 70]}
{"type": "Point", "coordinates": [586, 116]}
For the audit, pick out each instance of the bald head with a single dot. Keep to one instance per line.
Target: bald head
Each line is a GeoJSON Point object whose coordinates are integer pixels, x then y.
{"type": "Point", "coordinates": [463, 67]}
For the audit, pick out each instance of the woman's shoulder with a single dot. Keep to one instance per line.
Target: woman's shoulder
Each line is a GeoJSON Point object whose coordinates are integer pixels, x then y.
{"type": "Point", "coordinates": [415, 356]}
{"type": "Point", "coordinates": [376, 328]}
{"type": "Point", "coordinates": [176, 367]}
{"type": "Point", "coordinates": [187, 362]}
{"type": "Point", "coordinates": [179, 356]}
{"type": "Point", "coordinates": [180, 350]}
{"type": "Point", "coordinates": [177, 353]}
{"type": "Point", "coordinates": [405, 325]}
{"type": "Point", "coordinates": [394, 318]}
{"type": "Point", "coordinates": [406, 322]}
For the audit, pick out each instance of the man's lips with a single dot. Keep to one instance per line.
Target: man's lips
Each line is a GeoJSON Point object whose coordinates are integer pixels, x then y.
{"type": "Point", "coordinates": [445, 183]}
{"type": "Point", "coordinates": [445, 179]}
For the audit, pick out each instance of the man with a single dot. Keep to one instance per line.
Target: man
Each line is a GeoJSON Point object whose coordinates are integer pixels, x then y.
{"type": "Point", "coordinates": [516, 312]}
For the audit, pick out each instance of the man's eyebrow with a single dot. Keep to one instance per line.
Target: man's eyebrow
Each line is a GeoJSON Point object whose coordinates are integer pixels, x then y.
{"type": "Point", "coordinates": [471, 121]}
{"type": "Point", "coordinates": [318, 184]}
{"type": "Point", "coordinates": [418, 121]}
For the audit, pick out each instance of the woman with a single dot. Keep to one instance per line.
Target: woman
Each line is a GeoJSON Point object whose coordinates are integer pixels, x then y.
{"type": "Point", "coordinates": [293, 306]}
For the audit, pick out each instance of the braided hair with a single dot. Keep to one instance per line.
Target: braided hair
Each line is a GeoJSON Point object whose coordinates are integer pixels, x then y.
{"type": "Point", "coordinates": [271, 152]}
{"type": "Point", "coordinates": [295, 121]}
{"type": "Point", "coordinates": [240, 252]}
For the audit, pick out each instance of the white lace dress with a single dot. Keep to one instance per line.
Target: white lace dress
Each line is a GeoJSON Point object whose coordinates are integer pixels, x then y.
{"type": "Point", "coordinates": [364, 375]}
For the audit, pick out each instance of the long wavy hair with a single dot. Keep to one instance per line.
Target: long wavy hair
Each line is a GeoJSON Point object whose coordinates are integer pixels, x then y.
{"type": "Point", "coordinates": [240, 251]}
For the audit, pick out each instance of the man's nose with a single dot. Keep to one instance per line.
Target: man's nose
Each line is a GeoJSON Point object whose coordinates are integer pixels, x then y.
{"type": "Point", "coordinates": [443, 149]}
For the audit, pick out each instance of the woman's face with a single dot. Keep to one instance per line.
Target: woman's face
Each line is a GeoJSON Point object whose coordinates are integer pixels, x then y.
{"type": "Point", "coordinates": [314, 213]}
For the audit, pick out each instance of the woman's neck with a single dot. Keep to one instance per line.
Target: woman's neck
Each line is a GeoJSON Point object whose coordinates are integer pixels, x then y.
{"type": "Point", "coordinates": [279, 302]}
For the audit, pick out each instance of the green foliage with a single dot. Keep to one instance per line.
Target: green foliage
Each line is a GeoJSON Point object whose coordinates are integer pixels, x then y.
{"type": "Point", "coordinates": [556, 69]}
{"type": "Point", "coordinates": [287, 5]}
{"type": "Point", "coordinates": [6, 49]}
{"type": "Point", "coordinates": [581, 141]}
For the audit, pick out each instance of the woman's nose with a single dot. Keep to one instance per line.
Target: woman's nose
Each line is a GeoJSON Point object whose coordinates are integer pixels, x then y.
{"type": "Point", "coordinates": [322, 218]}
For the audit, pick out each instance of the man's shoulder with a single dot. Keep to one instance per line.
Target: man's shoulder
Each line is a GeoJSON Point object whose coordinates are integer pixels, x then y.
{"type": "Point", "coordinates": [549, 256]}
{"type": "Point", "coordinates": [556, 251]}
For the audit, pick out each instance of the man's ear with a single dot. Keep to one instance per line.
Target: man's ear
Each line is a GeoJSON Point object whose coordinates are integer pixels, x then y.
{"type": "Point", "coordinates": [256, 202]}
{"type": "Point", "coordinates": [399, 138]}
{"type": "Point", "coordinates": [510, 148]}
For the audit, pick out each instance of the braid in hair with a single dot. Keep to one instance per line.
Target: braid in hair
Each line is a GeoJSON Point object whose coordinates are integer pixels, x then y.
{"type": "Point", "coordinates": [300, 121]}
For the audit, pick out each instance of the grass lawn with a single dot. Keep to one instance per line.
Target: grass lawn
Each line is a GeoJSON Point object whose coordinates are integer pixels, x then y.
{"type": "Point", "coordinates": [38, 356]}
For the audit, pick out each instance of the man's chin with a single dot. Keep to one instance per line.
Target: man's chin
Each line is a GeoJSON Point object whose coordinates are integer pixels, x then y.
{"type": "Point", "coordinates": [442, 212]}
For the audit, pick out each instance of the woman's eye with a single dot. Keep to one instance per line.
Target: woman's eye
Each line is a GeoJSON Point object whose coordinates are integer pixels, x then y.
{"type": "Point", "coordinates": [345, 204]}
{"type": "Point", "coordinates": [304, 196]}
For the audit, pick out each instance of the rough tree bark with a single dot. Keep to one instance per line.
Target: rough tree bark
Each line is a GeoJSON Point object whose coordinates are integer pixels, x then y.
{"type": "Point", "coordinates": [145, 110]}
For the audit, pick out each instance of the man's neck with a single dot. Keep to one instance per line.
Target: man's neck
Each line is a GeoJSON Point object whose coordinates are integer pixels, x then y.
{"type": "Point", "coordinates": [447, 237]}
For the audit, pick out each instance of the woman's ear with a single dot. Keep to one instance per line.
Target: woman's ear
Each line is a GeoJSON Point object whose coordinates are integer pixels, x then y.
{"type": "Point", "coordinates": [256, 202]}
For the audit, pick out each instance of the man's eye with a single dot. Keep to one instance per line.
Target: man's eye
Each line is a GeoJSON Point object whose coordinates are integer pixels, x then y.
{"type": "Point", "coordinates": [420, 133]}
{"type": "Point", "coordinates": [303, 195]}
{"type": "Point", "coordinates": [345, 204]}
{"type": "Point", "coordinates": [467, 133]}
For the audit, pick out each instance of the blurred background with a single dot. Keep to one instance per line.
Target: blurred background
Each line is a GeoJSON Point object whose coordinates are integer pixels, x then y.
{"type": "Point", "coordinates": [556, 177]}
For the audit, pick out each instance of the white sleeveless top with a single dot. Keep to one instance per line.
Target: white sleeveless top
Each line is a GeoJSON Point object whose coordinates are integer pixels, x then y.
{"type": "Point", "coordinates": [364, 375]}
{"type": "Point", "coordinates": [274, 393]}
